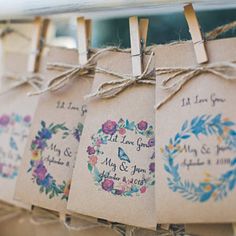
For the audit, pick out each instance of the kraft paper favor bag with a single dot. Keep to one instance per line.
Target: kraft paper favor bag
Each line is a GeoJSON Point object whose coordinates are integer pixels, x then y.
{"type": "Point", "coordinates": [196, 134]}
{"type": "Point", "coordinates": [16, 108]}
{"type": "Point", "coordinates": [16, 113]}
{"type": "Point", "coordinates": [50, 152]}
{"type": "Point", "coordinates": [113, 177]}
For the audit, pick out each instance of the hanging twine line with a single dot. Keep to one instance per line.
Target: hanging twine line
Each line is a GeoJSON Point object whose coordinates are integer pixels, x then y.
{"type": "Point", "coordinates": [114, 87]}
{"type": "Point", "coordinates": [221, 70]}
{"type": "Point", "coordinates": [220, 30]}
{"type": "Point", "coordinates": [34, 80]}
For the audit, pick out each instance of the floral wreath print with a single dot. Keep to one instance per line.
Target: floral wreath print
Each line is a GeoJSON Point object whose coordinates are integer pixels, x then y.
{"type": "Point", "coordinates": [123, 187]}
{"type": "Point", "coordinates": [10, 170]}
{"type": "Point", "coordinates": [40, 174]}
{"type": "Point", "coordinates": [211, 187]}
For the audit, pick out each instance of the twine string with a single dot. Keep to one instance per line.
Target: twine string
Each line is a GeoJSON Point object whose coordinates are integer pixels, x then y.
{"type": "Point", "coordinates": [114, 87]}
{"type": "Point", "coordinates": [34, 80]}
{"type": "Point", "coordinates": [224, 70]}
{"type": "Point", "coordinates": [220, 30]}
{"type": "Point", "coordinates": [72, 71]}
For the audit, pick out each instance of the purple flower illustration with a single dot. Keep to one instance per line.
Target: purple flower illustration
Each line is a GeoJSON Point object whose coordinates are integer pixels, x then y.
{"type": "Point", "coordinates": [40, 144]}
{"type": "Point", "coordinates": [40, 171]}
{"type": "Point", "coordinates": [142, 125]}
{"type": "Point", "coordinates": [90, 150]}
{"type": "Point", "coordinates": [77, 134]}
{"type": "Point", "coordinates": [152, 167]}
{"type": "Point", "coordinates": [4, 120]}
{"type": "Point", "coordinates": [45, 134]}
{"type": "Point", "coordinates": [109, 127]}
{"type": "Point", "coordinates": [151, 142]}
{"type": "Point", "coordinates": [27, 119]}
{"type": "Point", "coordinates": [108, 185]}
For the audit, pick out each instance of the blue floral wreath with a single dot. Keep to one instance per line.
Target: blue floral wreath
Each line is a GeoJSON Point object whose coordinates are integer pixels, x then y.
{"type": "Point", "coordinates": [216, 189]}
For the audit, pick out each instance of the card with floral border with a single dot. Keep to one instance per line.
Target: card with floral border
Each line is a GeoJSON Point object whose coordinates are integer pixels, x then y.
{"type": "Point", "coordinates": [51, 148]}
{"type": "Point", "coordinates": [114, 173]}
{"type": "Point", "coordinates": [16, 113]}
{"type": "Point", "coordinates": [196, 134]}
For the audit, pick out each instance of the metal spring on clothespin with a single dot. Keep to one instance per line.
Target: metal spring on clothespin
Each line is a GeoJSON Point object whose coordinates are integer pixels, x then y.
{"type": "Point", "coordinates": [138, 39]}
{"type": "Point", "coordinates": [84, 33]}
{"type": "Point", "coordinates": [38, 36]}
{"type": "Point", "coordinates": [195, 31]}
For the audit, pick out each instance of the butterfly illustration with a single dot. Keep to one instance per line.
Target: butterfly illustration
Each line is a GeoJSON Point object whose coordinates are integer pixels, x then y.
{"type": "Point", "coordinates": [122, 155]}
{"type": "Point", "coordinates": [129, 125]}
{"type": "Point", "coordinates": [13, 144]}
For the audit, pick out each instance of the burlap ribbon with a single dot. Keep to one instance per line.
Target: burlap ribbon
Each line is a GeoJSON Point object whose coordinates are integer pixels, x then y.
{"type": "Point", "coordinates": [223, 70]}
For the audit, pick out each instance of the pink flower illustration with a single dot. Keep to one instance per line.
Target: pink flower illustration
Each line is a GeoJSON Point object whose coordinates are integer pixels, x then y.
{"type": "Point", "coordinates": [143, 189]}
{"type": "Point", "coordinates": [122, 131]}
{"type": "Point", "coordinates": [98, 142]}
{"type": "Point", "coordinates": [93, 160]}
{"type": "Point", "coordinates": [142, 125]}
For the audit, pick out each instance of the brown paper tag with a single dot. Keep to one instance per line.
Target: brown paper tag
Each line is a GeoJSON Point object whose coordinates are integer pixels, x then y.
{"type": "Point", "coordinates": [114, 174]}
{"type": "Point", "coordinates": [196, 141]}
{"type": "Point", "coordinates": [53, 141]}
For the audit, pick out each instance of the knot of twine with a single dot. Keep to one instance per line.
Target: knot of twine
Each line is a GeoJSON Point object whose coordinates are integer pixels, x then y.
{"type": "Point", "coordinates": [70, 72]}
{"type": "Point", "coordinates": [182, 75]}
{"type": "Point", "coordinates": [34, 80]}
{"type": "Point", "coordinates": [112, 88]}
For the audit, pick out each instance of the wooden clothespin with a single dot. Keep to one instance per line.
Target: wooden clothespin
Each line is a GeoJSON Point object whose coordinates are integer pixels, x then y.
{"type": "Point", "coordinates": [138, 38]}
{"type": "Point", "coordinates": [42, 41]}
{"type": "Point", "coordinates": [1, 62]}
{"type": "Point", "coordinates": [84, 33]}
{"type": "Point", "coordinates": [35, 44]}
{"type": "Point", "coordinates": [195, 31]}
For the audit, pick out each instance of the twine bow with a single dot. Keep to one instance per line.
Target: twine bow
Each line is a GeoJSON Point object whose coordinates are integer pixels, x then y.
{"type": "Point", "coordinates": [114, 87]}
{"type": "Point", "coordinates": [34, 80]}
{"type": "Point", "coordinates": [70, 72]}
{"type": "Point", "coordinates": [183, 75]}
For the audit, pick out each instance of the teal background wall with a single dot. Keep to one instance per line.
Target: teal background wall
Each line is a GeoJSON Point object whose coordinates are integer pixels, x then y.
{"type": "Point", "coordinates": [163, 28]}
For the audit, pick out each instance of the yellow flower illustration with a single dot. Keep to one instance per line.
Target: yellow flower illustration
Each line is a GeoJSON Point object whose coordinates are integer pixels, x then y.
{"type": "Point", "coordinates": [219, 139]}
{"type": "Point", "coordinates": [208, 188]}
{"type": "Point", "coordinates": [170, 146]}
{"type": "Point", "coordinates": [36, 155]}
